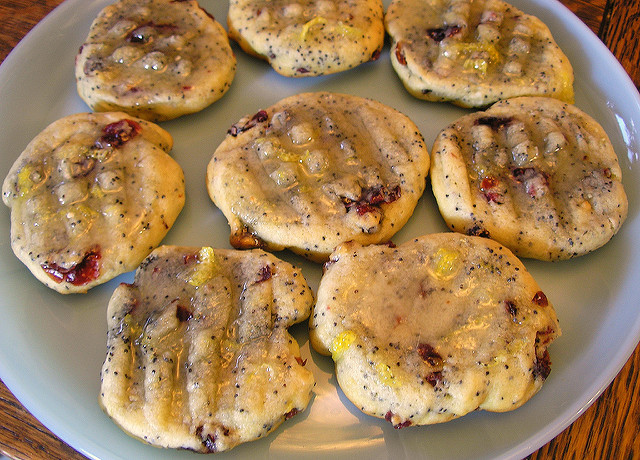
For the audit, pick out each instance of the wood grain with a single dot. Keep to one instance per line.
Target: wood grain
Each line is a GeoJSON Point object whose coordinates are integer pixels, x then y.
{"type": "Point", "coordinates": [610, 428]}
{"type": "Point", "coordinates": [591, 12]}
{"type": "Point", "coordinates": [23, 437]}
{"type": "Point", "coordinates": [14, 26]}
{"type": "Point", "coordinates": [620, 31]}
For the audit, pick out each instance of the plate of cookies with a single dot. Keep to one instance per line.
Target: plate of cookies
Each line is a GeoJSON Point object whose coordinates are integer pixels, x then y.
{"type": "Point", "coordinates": [302, 229]}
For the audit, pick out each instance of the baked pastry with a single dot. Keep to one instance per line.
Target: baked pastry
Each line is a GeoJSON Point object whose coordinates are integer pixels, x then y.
{"type": "Point", "coordinates": [90, 197]}
{"type": "Point", "coordinates": [474, 53]}
{"type": "Point", "coordinates": [154, 59]}
{"type": "Point", "coordinates": [301, 38]}
{"type": "Point", "coordinates": [538, 175]}
{"type": "Point", "coordinates": [433, 329]}
{"type": "Point", "coordinates": [318, 169]}
{"type": "Point", "coordinates": [199, 356]}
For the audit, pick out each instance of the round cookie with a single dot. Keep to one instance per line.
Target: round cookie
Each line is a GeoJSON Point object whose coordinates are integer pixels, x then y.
{"type": "Point", "coordinates": [199, 356]}
{"type": "Point", "coordinates": [301, 38]}
{"type": "Point", "coordinates": [90, 197]}
{"type": "Point", "coordinates": [154, 59]}
{"type": "Point", "coordinates": [535, 174]}
{"type": "Point", "coordinates": [433, 329]}
{"type": "Point", "coordinates": [474, 53]}
{"type": "Point", "coordinates": [318, 169]}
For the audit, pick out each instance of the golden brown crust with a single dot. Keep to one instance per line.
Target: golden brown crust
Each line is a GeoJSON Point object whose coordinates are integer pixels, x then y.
{"type": "Point", "coordinates": [154, 59]}
{"type": "Point", "coordinates": [302, 38]}
{"type": "Point", "coordinates": [199, 356]}
{"type": "Point", "coordinates": [538, 175]}
{"type": "Point", "coordinates": [433, 329]}
{"type": "Point", "coordinates": [474, 53]}
{"type": "Point", "coordinates": [318, 169]}
{"type": "Point", "coordinates": [90, 197]}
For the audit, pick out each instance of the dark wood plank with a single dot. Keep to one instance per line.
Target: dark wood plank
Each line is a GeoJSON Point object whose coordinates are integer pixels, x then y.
{"type": "Point", "coordinates": [22, 437]}
{"type": "Point", "coordinates": [610, 428]}
{"type": "Point", "coordinates": [15, 26]}
{"type": "Point", "coordinates": [591, 13]}
{"type": "Point", "coordinates": [620, 31]}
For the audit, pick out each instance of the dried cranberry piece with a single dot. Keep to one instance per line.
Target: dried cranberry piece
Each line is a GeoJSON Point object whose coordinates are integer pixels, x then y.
{"type": "Point", "coordinates": [545, 337]}
{"type": "Point", "coordinates": [434, 378]}
{"type": "Point", "coordinates": [489, 182]}
{"type": "Point", "coordinates": [301, 361]}
{"type": "Point", "coordinates": [495, 123]}
{"type": "Point", "coordinates": [542, 366]}
{"type": "Point", "coordinates": [440, 33]}
{"type": "Point", "coordinates": [429, 354]}
{"type": "Point", "coordinates": [493, 197]}
{"type": "Point", "coordinates": [534, 180]}
{"type": "Point", "coordinates": [189, 258]}
{"type": "Point", "coordinates": [118, 133]}
{"type": "Point", "coordinates": [264, 274]}
{"type": "Point", "coordinates": [476, 230]}
{"type": "Point", "coordinates": [381, 194]}
{"type": "Point", "coordinates": [389, 418]}
{"type": "Point", "coordinates": [183, 313]}
{"type": "Point", "coordinates": [87, 270]}
{"type": "Point", "coordinates": [208, 441]}
{"type": "Point", "coordinates": [259, 117]}
{"type": "Point", "coordinates": [372, 197]}
{"type": "Point", "coordinates": [291, 413]}
{"type": "Point", "coordinates": [488, 187]}
{"type": "Point", "coordinates": [539, 298]}
{"type": "Point", "coordinates": [402, 60]}
{"type": "Point", "coordinates": [522, 174]}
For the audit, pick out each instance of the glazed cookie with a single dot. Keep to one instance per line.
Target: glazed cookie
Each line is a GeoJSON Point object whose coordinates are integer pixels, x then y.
{"type": "Point", "coordinates": [535, 174]}
{"type": "Point", "coordinates": [199, 356]}
{"type": "Point", "coordinates": [433, 329]}
{"type": "Point", "coordinates": [318, 169]}
{"type": "Point", "coordinates": [301, 38]}
{"type": "Point", "coordinates": [154, 59]}
{"type": "Point", "coordinates": [474, 53]}
{"type": "Point", "coordinates": [90, 197]}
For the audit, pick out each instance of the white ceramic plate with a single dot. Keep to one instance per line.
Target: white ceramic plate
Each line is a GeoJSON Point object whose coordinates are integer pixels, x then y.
{"type": "Point", "coordinates": [52, 346]}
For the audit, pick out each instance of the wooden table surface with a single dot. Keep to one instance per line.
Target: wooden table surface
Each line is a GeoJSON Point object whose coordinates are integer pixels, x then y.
{"type": "Point", "coordinates": [610, 428]}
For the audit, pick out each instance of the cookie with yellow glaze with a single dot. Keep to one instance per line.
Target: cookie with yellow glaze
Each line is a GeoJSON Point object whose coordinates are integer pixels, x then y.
{"type": "Point", "coordinates": [90, 197]}
{"type": "Point", "coordinates": [154, 59]}
{"type": "Point", "coordinates": [474, 53]}
{"type": "Point", "coordinates": [536, 174]}
{"type": "Point", "coordinates": [315, 170]}
{"type": "Point", "coordinates": [302, 38]}
{"type": "Point", "coordinates": [199, 356]}
{"type": "Point", "coordinates": [433, 329]}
